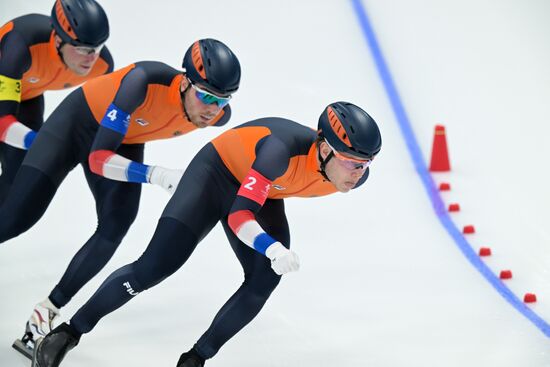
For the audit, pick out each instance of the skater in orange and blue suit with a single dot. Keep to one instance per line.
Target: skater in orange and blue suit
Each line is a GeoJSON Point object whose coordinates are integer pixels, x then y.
{"type": "Point", "coordinates": [104, 126]}
{"type": "Point", "coordinates": [39, 53]}
{"type": "Point", "coordinates": [240, 178]}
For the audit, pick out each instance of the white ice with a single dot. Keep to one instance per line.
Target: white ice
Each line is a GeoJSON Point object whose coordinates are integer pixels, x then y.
{"type": "Point", "coordinates": [382, 283]}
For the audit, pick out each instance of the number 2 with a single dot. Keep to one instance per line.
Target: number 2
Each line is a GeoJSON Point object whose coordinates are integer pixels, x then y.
{"type": "Point", "coordinates": [252, 182]}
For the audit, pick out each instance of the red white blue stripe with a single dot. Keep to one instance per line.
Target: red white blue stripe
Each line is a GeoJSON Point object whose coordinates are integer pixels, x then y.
{"type": "Point", "coordinates": [14, 133]}
{"type": "Point", "coordinates": [248, 230]}
{"type": "Point", "coordinates": [108, 164]}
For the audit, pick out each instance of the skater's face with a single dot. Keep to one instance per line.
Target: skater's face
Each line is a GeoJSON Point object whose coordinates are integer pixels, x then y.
{"type": "Point", "coordinates": [80, 60]}
{"type": "Point", "coordinates": [201, 105]}
{"type": "Point", "coordinates": [344, 170]}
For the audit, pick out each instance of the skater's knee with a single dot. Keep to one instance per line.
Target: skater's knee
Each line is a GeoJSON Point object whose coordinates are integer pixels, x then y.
{"type": "Point", "coordinates": [11, 225]}
{"type": "Point", "coordinates": [262, 284]}
{"type": "Point", "coordinates": [170, 247]}
{"type": "Point", "coordinates": [148, 274]}
{"type": "Point", "coordinates": [102, 248]}
{"type": "Point", "coordinates": [116, 224]}
{"type": "Point", "coordinates": [26, 202]}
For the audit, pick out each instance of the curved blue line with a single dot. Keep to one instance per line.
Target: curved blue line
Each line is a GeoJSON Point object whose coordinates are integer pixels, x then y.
{"type": "Point", "coordinates": [427, 179]}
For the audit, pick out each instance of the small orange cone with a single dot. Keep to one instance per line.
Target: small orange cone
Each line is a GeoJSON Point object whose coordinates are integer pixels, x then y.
{"type": "Point", "coordinates": [440, 156]}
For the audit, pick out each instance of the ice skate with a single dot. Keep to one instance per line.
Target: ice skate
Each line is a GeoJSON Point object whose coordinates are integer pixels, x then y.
{"type": "Point", "coordinates": [190, 359]}
{"type": "Point", "coordinates": [38, 326]}
{"type": "Point", "coordinates": [51, 350]}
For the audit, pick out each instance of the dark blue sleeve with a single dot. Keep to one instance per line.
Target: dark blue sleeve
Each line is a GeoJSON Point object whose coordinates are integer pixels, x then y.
{"type": "Point", "coordinates": [272, 159]}
{"type": "Point", "coordinates": [15, 60]}
{"type": "Point", "coordinates": [129, 96]}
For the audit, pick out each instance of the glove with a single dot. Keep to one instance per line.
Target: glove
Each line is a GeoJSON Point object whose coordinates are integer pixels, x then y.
{"type": "Point", "coordinates": [166, 178]}
{"type": "Point", "coordinates": [282, 259]}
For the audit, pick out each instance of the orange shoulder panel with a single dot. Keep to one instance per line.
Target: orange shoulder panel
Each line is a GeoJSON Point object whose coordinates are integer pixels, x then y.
{"type": "Point", "coordinates": [237, 148]}
{"type": "Point", "coordinates": [301, 179]}
{"type": "Point", "coordinates": [100, 92]}
{"type": "Point", "coordinates": [48, 72]}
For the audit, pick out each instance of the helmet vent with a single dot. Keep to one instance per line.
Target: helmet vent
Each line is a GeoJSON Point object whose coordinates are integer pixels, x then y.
{"type": "Point", "coordinates": [337, 127]}
{"type": "Point", "coordinates": [197, 60]}
{"type": "Point", "coordinates": [351, 128]}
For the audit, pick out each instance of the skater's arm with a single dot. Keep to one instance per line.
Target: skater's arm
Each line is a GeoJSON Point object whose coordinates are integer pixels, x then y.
{"type": "Point", "coordinates": [272, 159]}
{"type": "Point", "coordinates": [113, 127]}
{"type": "Point", "coordinates": [15, 59]}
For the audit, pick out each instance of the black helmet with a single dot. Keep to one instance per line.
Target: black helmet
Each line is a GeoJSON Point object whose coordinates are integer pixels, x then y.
{"type": "Point", "coordinates": [210, 63]}
{"type": "Point", "coordinates": [80, 22]}
{"type": "Point", "coordinates": [349, 129]}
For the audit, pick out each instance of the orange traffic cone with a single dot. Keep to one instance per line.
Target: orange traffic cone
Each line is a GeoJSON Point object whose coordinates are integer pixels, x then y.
{"type": "Point", "coordinates": [440, 156]}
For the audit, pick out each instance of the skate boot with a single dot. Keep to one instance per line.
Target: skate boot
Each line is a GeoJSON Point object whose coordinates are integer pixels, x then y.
{"type": "Point", "coordinates": [191, 359]}
{"type": "Point", "coordinates": [40, 323]}
{"type": "Point", "coordinates": [50, 350]}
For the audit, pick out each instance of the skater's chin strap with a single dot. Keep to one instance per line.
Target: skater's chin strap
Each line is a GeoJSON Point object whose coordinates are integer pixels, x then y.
{"type": "Point", "coordinates": [323, 162]}
{"type": "Point", "coordinates": [182, 94]}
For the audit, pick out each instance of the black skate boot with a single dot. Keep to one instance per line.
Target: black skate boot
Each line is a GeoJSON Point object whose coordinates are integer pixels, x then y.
{"type": "Point", "coordinates": [191, 359]}
{"type": "Point", "coordinates": [40, 323]}
{"type": "Point", "coordinates": [51, 349]}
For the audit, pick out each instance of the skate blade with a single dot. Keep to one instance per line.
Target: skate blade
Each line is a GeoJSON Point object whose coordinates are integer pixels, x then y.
{"type": "Point", "coordinates": [23, 348]}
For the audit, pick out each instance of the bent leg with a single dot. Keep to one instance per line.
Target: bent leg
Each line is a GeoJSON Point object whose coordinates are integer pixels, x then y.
{"type": "Point", "coordinates": [33, 188]}
{"type": "Point", "coordinates": [191, 213]}
{"type": "Point", "coordinates": [259, 281]}
{"type": "Point", "coordinates": [117, 205]}
{"type": "Point", "coordinates": [27, 201]}
{"type": "Point", "coordinates": [45, 166]}
{"type": "Point", "coordinates": [170, 247]}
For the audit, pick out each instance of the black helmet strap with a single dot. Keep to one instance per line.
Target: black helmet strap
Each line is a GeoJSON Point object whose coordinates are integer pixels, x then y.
{"type": "Point", "coordinates": [61, 44]}
{"type": "Point", "coordinates": [183, 101]}
{"type": "Point", "coordinates": [323, 163]}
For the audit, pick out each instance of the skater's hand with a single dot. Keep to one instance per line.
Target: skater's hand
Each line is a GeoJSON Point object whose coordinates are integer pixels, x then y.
{"type": "Point", "coordinates": [282, 259]}
{"type": "Point", "coordinates": [166, 178]}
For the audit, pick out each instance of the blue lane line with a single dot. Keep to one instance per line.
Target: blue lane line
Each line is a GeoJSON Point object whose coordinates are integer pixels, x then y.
{"type": "Point", "coordinates": [427, 179]}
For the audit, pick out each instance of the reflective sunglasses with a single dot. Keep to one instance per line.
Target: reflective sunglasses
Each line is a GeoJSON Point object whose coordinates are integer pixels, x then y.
{"type": "Point", "coordinates": [209, 98]}
{"type": "Point", "coordinates": [348, 162]}
{"type": "Point", "coordinates": [86, 51]}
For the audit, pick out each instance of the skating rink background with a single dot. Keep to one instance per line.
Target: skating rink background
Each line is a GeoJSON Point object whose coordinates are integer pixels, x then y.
{"type": "Point", "coordinates": [382, 283]}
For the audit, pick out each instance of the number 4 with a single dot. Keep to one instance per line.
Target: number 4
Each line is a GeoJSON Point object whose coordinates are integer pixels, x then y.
{"type": "Point", "coordinates": [112, 114]}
